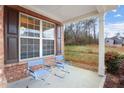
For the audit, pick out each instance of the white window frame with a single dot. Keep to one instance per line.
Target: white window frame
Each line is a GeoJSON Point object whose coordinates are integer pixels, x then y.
{"type": "Point", "coordinates": [40, 38]}
{"type": "Point", "coordinates": [49, 39]}
{"type": "Point", "coordinates": [29, 38]}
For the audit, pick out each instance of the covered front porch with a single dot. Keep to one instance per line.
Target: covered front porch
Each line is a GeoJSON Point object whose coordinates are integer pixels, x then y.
{"type": "Point", "coordinates": [78, 77]}
{"type": "Point", "coordinates": [73, 13]}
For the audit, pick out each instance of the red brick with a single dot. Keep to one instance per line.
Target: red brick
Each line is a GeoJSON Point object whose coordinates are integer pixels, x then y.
{"type": "Point", "coordinates": [2, 76]}
{"type": "Point", "coordinates": [15, 72]}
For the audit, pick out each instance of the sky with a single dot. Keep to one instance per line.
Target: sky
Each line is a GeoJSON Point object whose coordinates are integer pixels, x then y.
{"type": "Point", "coordinates": [114, 22]}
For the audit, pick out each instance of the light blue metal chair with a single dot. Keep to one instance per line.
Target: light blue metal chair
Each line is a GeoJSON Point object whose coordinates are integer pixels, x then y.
{"type": "Point", "coordinates": [61, 64]}
{"type": "Point", "coordinates": [38, 74]}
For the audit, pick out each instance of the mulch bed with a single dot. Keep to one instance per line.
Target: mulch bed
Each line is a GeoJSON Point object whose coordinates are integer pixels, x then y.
{"type": "Point", "coordinates": [115, 80]}
{"type": "Point", "coordinates": [112, 81]}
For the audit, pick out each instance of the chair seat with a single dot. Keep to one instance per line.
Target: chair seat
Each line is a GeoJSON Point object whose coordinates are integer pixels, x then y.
{"type": "Point", "coordinates": [60, 64]}
{"type": "Point", "coordinates": [40, 72]}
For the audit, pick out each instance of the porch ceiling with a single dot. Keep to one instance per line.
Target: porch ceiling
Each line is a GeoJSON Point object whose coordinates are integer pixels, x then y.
{"type": "Point", "coordinates": [67, 13]}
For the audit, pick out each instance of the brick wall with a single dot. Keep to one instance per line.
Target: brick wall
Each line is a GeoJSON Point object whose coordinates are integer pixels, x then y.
{"type": "Point", "coordinates": [15, 71]}
{"type": "Point", "coordinates": [2, 76]}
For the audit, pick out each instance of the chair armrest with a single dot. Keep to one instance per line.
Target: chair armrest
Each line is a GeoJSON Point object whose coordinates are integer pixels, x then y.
{"type": "Point", "coordinates": [59, 62]}
{"type": "Point", "coordinates": [47, 66]}
{"type": "Point", "coordinates": [30, 70]}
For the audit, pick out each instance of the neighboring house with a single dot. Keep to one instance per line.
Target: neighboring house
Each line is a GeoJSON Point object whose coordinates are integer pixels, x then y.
{"type": "Point", "coordinates": [114, 41]}
{"type": "Point", "coordinates": [109, 41]}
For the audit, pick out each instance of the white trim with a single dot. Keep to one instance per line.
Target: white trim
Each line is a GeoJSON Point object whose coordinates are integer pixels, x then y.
{"type": "Point", "coordinates": [26, 37]}
{"type": "Point", "coordinates": [40, 38]}
{"type": "Point", "coordinates": [29, 37]}
{"type": "Point", "coordinates": [101, 67]}
{"type": "Point", "coordinates": [19, 53]}
{"type": "Point", "coordinates": [27, 59]}
{"type": "Point", "coordinates": [48, 55]}
{"type": "Point", "coordinates": [54, 27]}
{"type": "Point", "coordinates": [49, 39]}
{"type": "Point", "coordinates": [55, 40]}
{"type": "Point", "coordinates": [49, 22]}
{"type": "Point", "coordinates": [54, 49]}
{"type": "Point", "coordinates": [101, 85]}
{"type": "Point", "coordinates": [29, 15]}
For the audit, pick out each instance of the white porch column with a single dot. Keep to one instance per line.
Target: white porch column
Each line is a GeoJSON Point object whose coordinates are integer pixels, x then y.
{"type": "Point", "coordinates": [101, 68]}
{"type": "Point", "coordinates": [62, 39]}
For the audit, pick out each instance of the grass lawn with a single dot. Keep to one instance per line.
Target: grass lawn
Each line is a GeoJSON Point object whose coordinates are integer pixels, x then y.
{"type": "Point", "coordinates": [87, 56]}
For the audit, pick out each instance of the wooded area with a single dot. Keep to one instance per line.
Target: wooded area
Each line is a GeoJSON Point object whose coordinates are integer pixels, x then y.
{"type": "Point", "coordinates": [82, 32]}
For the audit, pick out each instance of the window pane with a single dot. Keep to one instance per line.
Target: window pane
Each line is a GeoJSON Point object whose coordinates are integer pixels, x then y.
{"type": "Point", "coordinates": [23, 19]}
{"type": "Point", "coordinates": [24, 41]}
{"type": "Point", "coordinates": [33, 32]}
{"type": "Point", "coordinates": [29, 48]}
{"type": "Point", "coordinates": [36, 54]}
{"type": "Point", "coordinates": [36, 41]}
{"type": "Point", "coordinates": [23, 29]}
{"type": "Point", "coordinates": [30, 33]}
{"type": "Point", "coordinates": [37, 22]}
{"type": "Point", "coordinates": [44, 53]}
{"type": "Point", "coordinates": [52, 51]}
{"type": "Point", "coordinates": [48, 47]}
{"type": "Point", "coordinates": [45, 48]}
{"type": "Point", "coordinates": [36, 47]}
{"type": "Point", "coordinates": [30, 20]}
{"type": "Point", "coordinates": [23, 48]}
{"type": "Point", "coordinates": [24, 25]}
{"type": "Point", "coordinates": [23, 55]}
{"type": "Point", "coordinates": [30, 54]}
{"type": "Point", "coordinates": [29, 26]}
{"type": "Point", "coordinates": [44, 42]}
{"type": "Point", "coordinates": [30, 41]}
{"type": "Point", "coordinates": [37, 28]}
{"type": "Point", "coordinates": [48, 33]}
{"type": "Point", "coordinates": [48, 30]}
{"type": "Point", "coordinates": [37, 34]}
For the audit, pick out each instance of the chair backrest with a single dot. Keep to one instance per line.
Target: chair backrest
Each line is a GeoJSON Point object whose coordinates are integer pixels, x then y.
{"type": "Point", "coordinates": [59, 57]}
{"type": "Point", "coordinates": [36, 62]}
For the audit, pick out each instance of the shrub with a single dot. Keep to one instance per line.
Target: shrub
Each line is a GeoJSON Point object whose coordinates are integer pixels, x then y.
{"type": "Point", "coordinates": [112, 61]}
{"type": "Point", "coordinates": [121, 57]}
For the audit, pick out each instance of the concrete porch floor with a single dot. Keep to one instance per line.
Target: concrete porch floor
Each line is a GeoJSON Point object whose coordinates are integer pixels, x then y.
{"type": "Point", "coordinates": [78, 78]}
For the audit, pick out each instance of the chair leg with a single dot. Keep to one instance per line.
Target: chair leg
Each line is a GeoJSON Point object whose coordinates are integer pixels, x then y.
{"type": "Point", "coordinates": [65, 71]}
{"type": "Point", "coordinates": [59, 76]}
{"type": "Point", "coordinates": [28, 83]}
{"type": "Point", "coordinates": [45, 80]}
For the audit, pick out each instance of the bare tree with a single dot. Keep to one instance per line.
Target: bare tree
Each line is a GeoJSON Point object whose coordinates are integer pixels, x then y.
{"type": "Point", "coordinates": [82, 32]}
